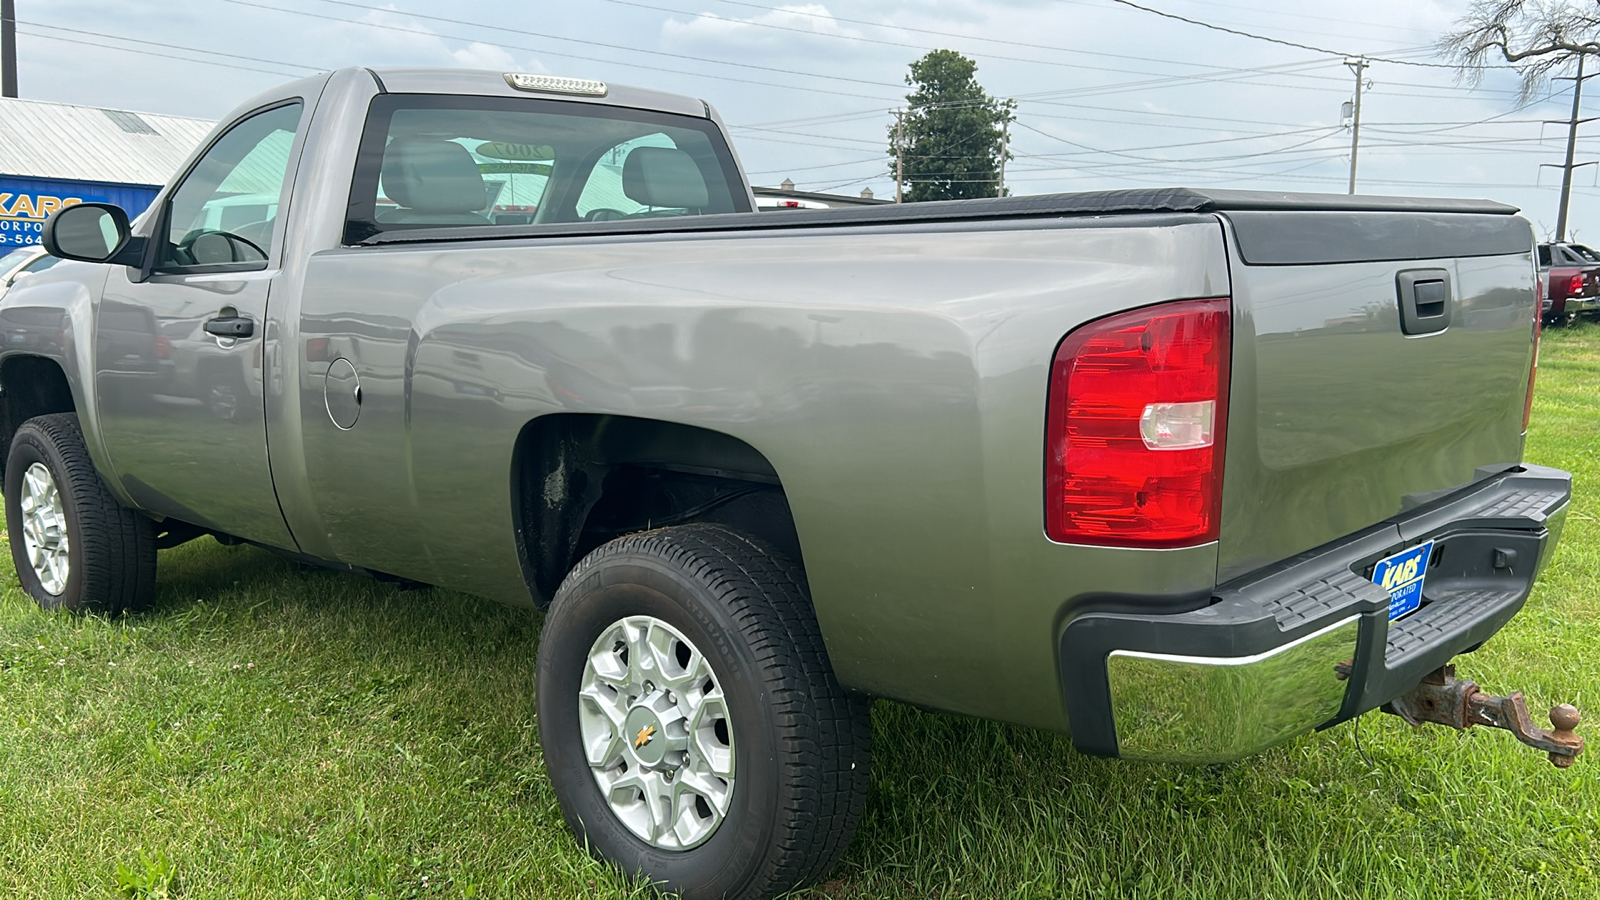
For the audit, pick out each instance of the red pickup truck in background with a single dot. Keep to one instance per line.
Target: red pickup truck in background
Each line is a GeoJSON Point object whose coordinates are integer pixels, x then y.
{"type": "Point", "coordinates": [1571, 275]}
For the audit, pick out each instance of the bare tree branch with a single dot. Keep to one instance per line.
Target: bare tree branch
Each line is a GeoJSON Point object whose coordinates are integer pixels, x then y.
{"type": "Point", "coordinates": [1537, 37]}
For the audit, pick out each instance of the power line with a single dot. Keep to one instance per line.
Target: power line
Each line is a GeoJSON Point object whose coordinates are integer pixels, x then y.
{"type": "Point", "coordinates": [1505, 144]}
{"type": "Point", "coordinates": [1164, 126]}
{"type": "Point", "coordinates": [822, 120]}
{"type": "Point", "coordinates": [608, 46]}
{"type": "Point", "coordinates": [1308, 17]}
{"type": "Point", "coordinates": [1132, 170]}
{"type": "Point", "coordinates": [1326, 132]}
{"type": "Point", "coordinates": [1273, 40]}
{"type": "Point", "coordinates": [118, 37]}
{"type": "Point", "coordinates": [204, 62]}
{"type": "Point", "coordinates": [808, 134]}
{"type": "Point", "coordinates": [936, 33]}
{"type": "Point", "coordinates": [855, 162]}
{"type": "Point", "coordinates": [924, 48]}
{"type": "Point", "coordinates": [548, 52]}
{"type": "Point", "coordinates": [1173, 77]}
{"type": "Point", "coordinates": [1254, 137]}
{"type": "Point", "coordinates": [773, 140]}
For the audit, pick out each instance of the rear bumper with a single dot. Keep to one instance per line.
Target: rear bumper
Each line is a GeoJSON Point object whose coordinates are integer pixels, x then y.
{"type": "Point", "coordinates": [1307, 643]}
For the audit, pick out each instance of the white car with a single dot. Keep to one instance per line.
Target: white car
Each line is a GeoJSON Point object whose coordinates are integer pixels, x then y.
{"type": "Point", "coordinates": [22, 262]}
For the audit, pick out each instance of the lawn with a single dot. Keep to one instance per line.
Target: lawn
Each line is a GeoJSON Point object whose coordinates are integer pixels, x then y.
{"type": "Point", "coordinates": [276, 732]}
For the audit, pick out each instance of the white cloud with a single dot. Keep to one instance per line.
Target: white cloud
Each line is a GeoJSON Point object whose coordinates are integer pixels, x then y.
{"type": "Point", "coordinates": [783, 26]}
{"type": "Point", "coordinates": [813, 17]}
{"type": "Point", "coordinates": [486, 56]}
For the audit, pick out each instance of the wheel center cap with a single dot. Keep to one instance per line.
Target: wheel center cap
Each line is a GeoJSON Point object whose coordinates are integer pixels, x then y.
{"type": "Point", "coordinates": [643, 731]}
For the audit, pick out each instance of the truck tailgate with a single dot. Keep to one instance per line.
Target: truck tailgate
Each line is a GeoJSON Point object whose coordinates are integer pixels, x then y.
{"type": "Point", "coordinates": [1345, 408]}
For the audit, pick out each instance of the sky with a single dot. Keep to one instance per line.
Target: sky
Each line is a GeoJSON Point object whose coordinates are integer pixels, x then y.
{"type": "Point", "coordinates": [1109, 96]}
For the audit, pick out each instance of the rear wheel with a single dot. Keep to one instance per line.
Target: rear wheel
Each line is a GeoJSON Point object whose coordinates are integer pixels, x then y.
{"type": "Point", "coordinates": [691, 724]}
{"type": "Point", "coordinates": [74, 545]}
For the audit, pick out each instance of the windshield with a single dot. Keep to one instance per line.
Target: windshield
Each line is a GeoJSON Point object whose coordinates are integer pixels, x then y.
{"type": "Point", "coordinates": [16, 258]}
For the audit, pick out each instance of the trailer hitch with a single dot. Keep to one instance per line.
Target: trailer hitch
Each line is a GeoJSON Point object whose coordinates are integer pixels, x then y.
{"type": "Point", "coordinates": [1444, 699]}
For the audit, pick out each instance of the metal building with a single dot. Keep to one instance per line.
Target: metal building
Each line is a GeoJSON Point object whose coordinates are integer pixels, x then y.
{"type": "Point", "coordinates": [55, 154]}
{"type": "Point", "coordinates": [785, 197]}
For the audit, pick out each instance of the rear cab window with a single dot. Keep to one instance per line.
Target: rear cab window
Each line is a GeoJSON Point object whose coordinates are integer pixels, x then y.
{"type": "Point", "coordinates": [433, 161]}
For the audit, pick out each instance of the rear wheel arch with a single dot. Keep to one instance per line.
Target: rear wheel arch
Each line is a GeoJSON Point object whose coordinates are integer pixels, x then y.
{"type": "Point", "coordinates": [579, 480]}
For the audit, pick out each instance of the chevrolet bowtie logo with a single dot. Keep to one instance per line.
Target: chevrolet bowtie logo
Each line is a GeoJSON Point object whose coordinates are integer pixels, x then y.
{"type": "Point", "coordinates": [644, 736]}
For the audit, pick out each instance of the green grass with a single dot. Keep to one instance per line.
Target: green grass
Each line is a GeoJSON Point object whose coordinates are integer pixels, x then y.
{"type": "Point", "coordinates": [272, 732]}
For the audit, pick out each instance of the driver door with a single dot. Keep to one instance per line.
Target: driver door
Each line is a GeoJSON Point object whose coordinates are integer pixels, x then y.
{"type": "Point", "coordinates": [178, 356]}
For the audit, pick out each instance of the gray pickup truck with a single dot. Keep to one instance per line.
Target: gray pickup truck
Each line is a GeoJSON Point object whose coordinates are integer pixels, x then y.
{"type": "Point", "coordinates": [1182, 474]}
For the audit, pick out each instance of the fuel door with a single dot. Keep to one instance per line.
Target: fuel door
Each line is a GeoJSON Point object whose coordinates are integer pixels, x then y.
{"type": "Point", "coordinates": [342, 394]}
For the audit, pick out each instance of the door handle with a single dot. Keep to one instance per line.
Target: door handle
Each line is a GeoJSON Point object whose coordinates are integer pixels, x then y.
{"type": "Point", "coordinates": [1425, 300]}
{"type": "Point", "coordinates": [230, 326]}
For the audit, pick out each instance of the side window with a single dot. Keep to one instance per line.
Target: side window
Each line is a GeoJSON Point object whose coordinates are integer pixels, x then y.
{"type": "Point", "coordinates": [224, 211]}
{"type": "Point", "coordinates": [1544, 256]}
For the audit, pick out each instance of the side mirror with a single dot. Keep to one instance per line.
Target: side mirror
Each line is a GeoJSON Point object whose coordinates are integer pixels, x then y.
{"type": "Point", "coordinates": [92, 232]}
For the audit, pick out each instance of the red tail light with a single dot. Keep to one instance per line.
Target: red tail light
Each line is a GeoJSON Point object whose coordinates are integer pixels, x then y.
{"type": "Point", "coordinates": [1533, 370]}
{"type": "Point", "coordinates": [1575, 286]}
{"type": "Point", "coordinates": [1138, 405]}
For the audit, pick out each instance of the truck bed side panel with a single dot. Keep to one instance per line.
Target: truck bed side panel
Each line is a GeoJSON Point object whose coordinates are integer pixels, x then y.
{"type": "Point", "coordinates": [894, 377]}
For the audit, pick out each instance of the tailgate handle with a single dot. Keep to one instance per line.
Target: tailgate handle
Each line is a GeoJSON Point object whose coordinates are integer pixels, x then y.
{"type": "Point", "coordinates": [1424, 300]}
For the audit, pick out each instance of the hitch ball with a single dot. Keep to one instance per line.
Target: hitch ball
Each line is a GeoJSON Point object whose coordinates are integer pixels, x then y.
{"type": "Point", "coordinates": [1564, 716]}
{"type": "Point", "coordinates": [1444, 699]}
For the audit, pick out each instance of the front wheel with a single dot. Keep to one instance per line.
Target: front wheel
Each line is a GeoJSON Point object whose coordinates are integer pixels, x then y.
{"type": "Point", "coordinates": [74, 546]}
{"type": "Point", "coordinates": [691, 723]}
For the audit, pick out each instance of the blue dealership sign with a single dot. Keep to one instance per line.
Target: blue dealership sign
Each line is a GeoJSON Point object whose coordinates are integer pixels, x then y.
{"type": "Point", "coordinates": [26, 202]}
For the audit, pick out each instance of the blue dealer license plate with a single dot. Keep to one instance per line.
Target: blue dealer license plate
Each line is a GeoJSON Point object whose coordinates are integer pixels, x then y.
{"type": "Point", "coordinates": [1401, 575]}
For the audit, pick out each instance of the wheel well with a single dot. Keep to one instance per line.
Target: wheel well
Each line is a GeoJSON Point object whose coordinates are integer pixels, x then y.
{"type": "Point", "coordinates": [579, 480]}
{"type": "Point", "coordinates": [29, 386]}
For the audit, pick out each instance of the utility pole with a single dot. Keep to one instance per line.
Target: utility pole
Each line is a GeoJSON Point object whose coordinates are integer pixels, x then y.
{"type": "Point", "coordinates": [1572, 141]}
{"type": "Point", "coordinates": [8, 48]}
{"type": "Point", "coordinates": [899, 149]}
{"type": "Point", "coordinates": [1357, 65]}
{"type": "Point", "coordinates": [1005, 140]}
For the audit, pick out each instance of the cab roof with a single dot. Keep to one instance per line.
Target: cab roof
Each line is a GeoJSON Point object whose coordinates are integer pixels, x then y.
{"type": "Point", "coordinates": [483, 82]}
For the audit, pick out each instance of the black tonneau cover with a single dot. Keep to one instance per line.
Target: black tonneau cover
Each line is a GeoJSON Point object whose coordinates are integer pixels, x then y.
{"type": "Point", "coordinates": [1091, 203]}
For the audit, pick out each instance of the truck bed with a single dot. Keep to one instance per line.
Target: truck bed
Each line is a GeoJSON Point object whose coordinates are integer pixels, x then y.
{"type": "Point", "coordinates": [1087, 203]}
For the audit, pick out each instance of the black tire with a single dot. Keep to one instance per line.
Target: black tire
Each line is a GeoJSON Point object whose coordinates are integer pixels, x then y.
{"type": "Point", "coordinates": [804, 743]}
{"type": "Point", "coordinates": [111, 550]}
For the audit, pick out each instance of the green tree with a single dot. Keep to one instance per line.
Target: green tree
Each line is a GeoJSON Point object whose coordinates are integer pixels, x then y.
{"type": "Point", "coordinates": [952, 132]}
{"type": "Point", "coordinates": [1535, 36]}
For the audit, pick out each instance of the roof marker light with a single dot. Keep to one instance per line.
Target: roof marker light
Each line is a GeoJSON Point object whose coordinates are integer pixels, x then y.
{"type": "Point", "coordinates": [555, 84]}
